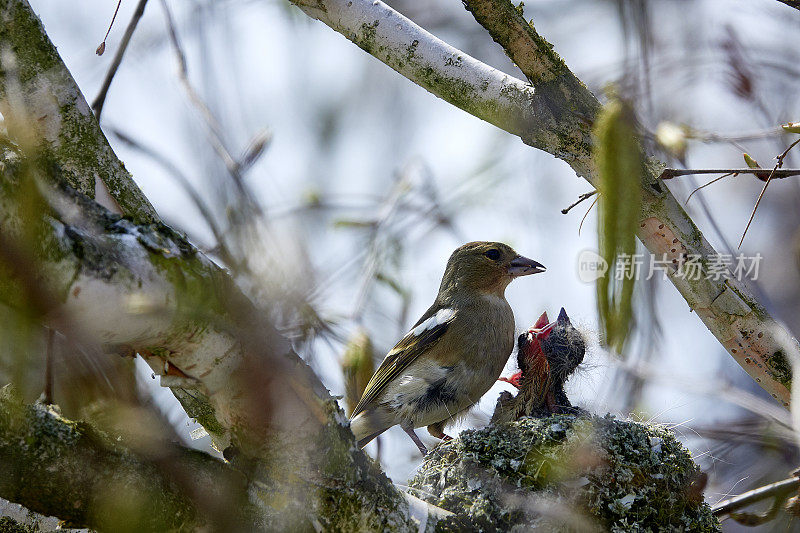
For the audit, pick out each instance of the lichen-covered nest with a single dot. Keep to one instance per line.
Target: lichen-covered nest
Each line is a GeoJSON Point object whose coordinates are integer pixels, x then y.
{"type": "Point", "coordinates": [565, 473]}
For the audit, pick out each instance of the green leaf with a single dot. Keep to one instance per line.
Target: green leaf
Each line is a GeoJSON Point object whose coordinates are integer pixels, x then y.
{"type": "Point", "coordinates": [620, 166]}
{"type": "Point", "coordinates": [751, 163]}
{"type": "Point", "coordinates": [791, 127]}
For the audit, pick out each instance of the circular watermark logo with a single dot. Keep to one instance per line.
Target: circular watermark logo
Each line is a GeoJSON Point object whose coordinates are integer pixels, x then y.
{"type": "Point", "coordinates": [591, 266]}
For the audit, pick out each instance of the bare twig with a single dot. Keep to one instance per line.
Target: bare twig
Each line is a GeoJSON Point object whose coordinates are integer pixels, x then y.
{"type": "Point", "coordinates": [580, 226]}
{"type": "Point", "coordinates": [778, 165]}
{"type": "Point", "coordinates": [212, 125]}
{"type": "Point", "coordinates": [102, 47]}
{"type": "Point", "coordinates": [709, 183]}
{"type": "Point", "coordinates": [751, 136]}
{"type": "Point", "coordinates": [99, 100]}
{"type": "Point", "coordinates": [670, 173]}
{"type": "Point", "coordinates": [581, 198]}
{"type": "Point", "coordinates": [778, 491]}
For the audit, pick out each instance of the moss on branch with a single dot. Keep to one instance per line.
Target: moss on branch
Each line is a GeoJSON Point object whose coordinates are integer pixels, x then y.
{"type": "Point", "coordinates": [37, 89]}
{"type": "Point", "coordinates": [70, 470]}
{"type": "Point", "coordinates": [566, 472]}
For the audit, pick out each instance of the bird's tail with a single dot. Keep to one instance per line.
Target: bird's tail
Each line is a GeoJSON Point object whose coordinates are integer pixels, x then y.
{"type": "Point", "coordinates": [367, 425]}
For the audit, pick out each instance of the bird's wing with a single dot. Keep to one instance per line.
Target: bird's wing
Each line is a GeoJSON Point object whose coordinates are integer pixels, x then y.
{"type": "Point", "coordinates": [425, 334]}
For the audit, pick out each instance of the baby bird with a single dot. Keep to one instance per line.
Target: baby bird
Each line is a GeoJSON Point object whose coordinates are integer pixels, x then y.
{"type": "Point", "coordinates": [453, 354]}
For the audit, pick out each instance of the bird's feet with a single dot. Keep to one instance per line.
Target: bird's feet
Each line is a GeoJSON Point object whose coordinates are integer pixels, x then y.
{"type": "Point", "coordinates": [410, 432]}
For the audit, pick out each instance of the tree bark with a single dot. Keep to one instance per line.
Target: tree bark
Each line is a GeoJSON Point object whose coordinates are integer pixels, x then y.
{"type": "Point", "coordinates": [70, 470]}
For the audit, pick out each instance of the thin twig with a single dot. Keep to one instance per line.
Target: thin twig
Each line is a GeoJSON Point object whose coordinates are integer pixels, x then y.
{"type": "Point", "coordinates": [777, 490]}
{"type": "Point", "coordinates": [102, 47]}
{"type": "Point", "coordinates": [210, 121]}
{"type": "Point", "coordinates": [709, 183]}
{"type": "Point", "coordinates": [587, 214]}
{"type": "Point", "coordinates": [749, 136]}
{"type": "Point", "coordinates": [99, 100]}
{"type": "Point", "coordinates": [778, 165]}
{"type": "Point", "coordinates": [670, 173]}
{"type": "Point", "coordinates": [581, 198]}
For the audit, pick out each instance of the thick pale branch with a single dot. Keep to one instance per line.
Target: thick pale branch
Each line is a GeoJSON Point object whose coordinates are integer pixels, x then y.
{"type": "Point", "coordinates": [45, 110]}
{"type": "Point", "coordinates": [561, 118]}
{"type": "Point", "coordinates": [449, 73]}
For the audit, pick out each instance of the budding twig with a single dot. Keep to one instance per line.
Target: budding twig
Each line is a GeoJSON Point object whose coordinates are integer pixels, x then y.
{"type": "Point", "coordinates": [102, 47]}
{"type": "Point", "coordinates": [779, 491]}
{"type": "Point", "coordinates": [670, 173]}
{"type": "Point", "coordinates": [97, 105]}
{"type": "Point", "coordinates": [581, 198]}
{"type": "Point", "coordinates": [778, 165]}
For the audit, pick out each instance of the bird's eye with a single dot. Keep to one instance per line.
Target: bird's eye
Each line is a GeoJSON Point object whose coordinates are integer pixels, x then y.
{"type": "Point", "coordinates": [493, 254]}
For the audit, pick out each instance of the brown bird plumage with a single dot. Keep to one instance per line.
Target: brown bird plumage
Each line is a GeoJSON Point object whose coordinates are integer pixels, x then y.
{"type": "Point", "coordinates": [453, 354]}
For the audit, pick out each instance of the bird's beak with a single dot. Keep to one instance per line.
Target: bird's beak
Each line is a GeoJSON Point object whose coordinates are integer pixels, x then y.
{"type": "Point", "coordinates": [522, 266]}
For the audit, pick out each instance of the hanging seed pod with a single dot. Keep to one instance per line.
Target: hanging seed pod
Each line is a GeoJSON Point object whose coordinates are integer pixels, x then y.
{"type": "Point", "coordinates": [620, 166]}
{"type": "Point", "coordinates": [358, 365]}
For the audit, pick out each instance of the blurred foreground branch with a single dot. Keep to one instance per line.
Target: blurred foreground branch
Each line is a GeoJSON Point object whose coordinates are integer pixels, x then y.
{"type": "Point", "coordinates": [144, 289]}
{"type": "Point", "coordinates": [72, 471]}
{"type": "Point", "coordinates": [778, 492]}
{"type": "Point", "coordinates": [555, 114]}
{"type": "Point", "coordinates": [130, 286]}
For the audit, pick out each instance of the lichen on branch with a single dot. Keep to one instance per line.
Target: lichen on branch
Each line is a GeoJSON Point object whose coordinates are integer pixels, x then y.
{"type": "Point", "coordinates": [566, 472]}
{"type": "Point", "coordinates": [68, 469]}
{"type": "Point", "coordinates": [44, 108]}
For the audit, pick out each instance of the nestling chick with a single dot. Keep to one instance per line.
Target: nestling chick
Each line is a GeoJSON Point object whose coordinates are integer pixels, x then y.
{"type": "Point", "coordinates": [547, 354]}
{"type": "Point", "coordinates": [453, 354]}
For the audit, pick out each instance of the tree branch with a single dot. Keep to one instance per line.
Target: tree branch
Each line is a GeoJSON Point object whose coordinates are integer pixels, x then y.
{"type": "Point", "coordinates": [670, 173]}
{"type": "Point", "coordinates": [556, 117]}
{"type": "Point", "coordinates": [778, 492]}
{"type": "Point", "coordinates": [45, 111]}
{"type": "Point", "coordinates": [144, 289]}
{"type": "Point", "coordinates": [450, 74]}
{"type": "Point", "coordinates": [791, 3]}
{"type": "Point", "coordinates": [100, 99]}
{"type": "Point", "coordinates": [779, 489]}
{"type": "Point", "coordinates": [61, 468]}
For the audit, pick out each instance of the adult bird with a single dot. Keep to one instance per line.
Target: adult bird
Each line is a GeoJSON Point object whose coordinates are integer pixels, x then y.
{"type": "Point", "coordinates": [453, 354]}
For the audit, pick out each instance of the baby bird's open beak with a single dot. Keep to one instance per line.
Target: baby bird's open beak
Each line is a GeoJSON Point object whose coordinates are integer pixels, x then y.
{"type": "Point", "coordinates": [522, 266]}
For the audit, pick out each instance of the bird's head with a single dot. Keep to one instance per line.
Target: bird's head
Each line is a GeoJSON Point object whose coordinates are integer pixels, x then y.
{"type": "Point", "coordinates": [559, 343]}
{"type": "Point", "coordinates": [486, 267]}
